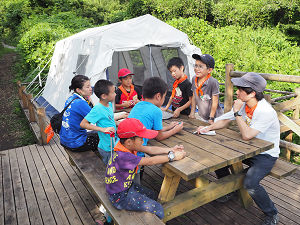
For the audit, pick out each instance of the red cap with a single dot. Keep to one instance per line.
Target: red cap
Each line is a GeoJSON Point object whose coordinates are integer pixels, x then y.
{"type": "Point", "coordinates": [131, 127]}
{"type": "Point", "coordinates": [124, 72]}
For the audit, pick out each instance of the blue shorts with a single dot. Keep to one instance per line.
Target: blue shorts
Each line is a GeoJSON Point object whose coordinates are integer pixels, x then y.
{"type": "Point", "coordinates": [104, 155]}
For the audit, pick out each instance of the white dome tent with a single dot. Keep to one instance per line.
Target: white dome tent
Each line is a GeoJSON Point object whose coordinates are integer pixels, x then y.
{"type": "Point", "coordinates": [143, 45]}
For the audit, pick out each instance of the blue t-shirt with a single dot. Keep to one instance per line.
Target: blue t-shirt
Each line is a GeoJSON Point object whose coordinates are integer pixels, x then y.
{"type": "Point", "coordinates": [150, 115]}
{"type": "Point", "coordinates": [71, 134]}
{"type": "Point", "coordinates": [103, 117]}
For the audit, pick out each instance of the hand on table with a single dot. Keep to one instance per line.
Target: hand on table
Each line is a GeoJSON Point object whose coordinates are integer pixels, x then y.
{"type": "Point", "coordinates": [179, 155]}
{"type": "Point", "coordinates": [192, 116]}
{"type": "Point", "coordinates": [178, 127]}
{"type": "Point", "coordinates": [178, 148]}
{"type": "Point", "coordinates": [203, 129]}
{"type": "Point", "coordinates": [126, 104]}
{"type": "Point", "coordinates": [176, 113]}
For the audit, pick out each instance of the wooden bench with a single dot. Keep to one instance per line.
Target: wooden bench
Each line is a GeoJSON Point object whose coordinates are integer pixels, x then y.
{"type": "Point", "coordinates": [283, 169]}
{"type": "Point", "coordinates": [93, 171]}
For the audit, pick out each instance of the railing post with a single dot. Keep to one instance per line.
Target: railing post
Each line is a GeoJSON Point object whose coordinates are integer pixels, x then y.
{"type": "Point", "coordinates": [31, 109]}
{"type": "Point", "coordinates": [228, 101]}
{"type": "Point", "coordinates": [289, 138]}
{"type": "Point", "coordinates": [42, 124]}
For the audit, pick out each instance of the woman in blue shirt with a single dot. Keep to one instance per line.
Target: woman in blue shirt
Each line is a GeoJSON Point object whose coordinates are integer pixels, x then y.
{"type": "Point", "coordinates": [72, 136]}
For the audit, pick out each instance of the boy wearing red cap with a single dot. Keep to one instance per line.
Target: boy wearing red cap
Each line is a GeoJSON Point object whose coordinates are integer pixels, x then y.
{"type": "Point", "coordinates": [205, 89]}
{"type": "Point", "coordinates": [122, 167]}
{"type": "Point", "coordinates": [127, 95]}
{"type": "Point", "coordinates": [181, 96]}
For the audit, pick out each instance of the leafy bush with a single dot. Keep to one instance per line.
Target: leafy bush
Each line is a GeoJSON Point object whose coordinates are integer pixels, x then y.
{"type": "Point", "coordinates": [263, 50]}
{"type": "Point", "coordinates": [37, 43]}
{"type": "Point", "coordinates": [11, 15]}
{"type": "Point", "coordinates": [256, 13]}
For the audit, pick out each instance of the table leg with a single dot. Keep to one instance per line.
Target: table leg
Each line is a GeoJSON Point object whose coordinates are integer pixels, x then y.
{"type": "Point", "coordinates": [169, 186]}
{"type": "Point", "coordinates": [199, 182]}
{"type": "Point", "coordinates": [244, 196]}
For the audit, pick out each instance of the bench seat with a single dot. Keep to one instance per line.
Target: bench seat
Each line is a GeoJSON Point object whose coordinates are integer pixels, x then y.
{"type": "Point", "coordinates": [283, 169]}
{"type": "Point", "coordinates": [93, 171]}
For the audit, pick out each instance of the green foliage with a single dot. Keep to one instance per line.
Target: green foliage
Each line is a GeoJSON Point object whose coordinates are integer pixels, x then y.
{"type": "Point", "coordinates": [256, 13]}
{"type": "Point", "coordinates": [11, 15]}
{"type": "Point", "coordinates": [264, 50]}
{"type": "Point", "coordinates": [176, 8]}
{"type": "Point", "coordinates": [37, 42]}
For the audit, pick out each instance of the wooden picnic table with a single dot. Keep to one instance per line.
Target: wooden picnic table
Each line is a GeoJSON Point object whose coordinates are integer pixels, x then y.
{"type": "Point", "coordinates": [205, 154]}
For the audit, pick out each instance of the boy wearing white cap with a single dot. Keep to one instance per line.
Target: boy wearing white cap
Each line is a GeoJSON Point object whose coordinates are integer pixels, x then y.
{"type": "Point", "coordinates": [255, 118]}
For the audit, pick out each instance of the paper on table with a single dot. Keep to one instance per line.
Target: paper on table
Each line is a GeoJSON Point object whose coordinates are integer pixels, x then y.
{"type": "Point", "coordinates": [211, 132]}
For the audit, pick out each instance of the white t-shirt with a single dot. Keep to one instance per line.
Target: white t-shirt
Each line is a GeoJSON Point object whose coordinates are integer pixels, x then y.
{"type": "Point", "coordinates": [264, 120]}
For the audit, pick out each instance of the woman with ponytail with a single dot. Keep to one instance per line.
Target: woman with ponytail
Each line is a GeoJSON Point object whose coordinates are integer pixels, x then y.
{"type": "Point", "coordinates": [72, 136]}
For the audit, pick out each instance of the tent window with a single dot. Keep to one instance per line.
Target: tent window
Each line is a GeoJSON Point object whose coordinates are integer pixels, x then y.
{"type": "Point", "coordinates": [81, 64]}
{"type": "Point", "coordinates": [169, 53]}
{"type": "Point", "coordinates": [136, 58]}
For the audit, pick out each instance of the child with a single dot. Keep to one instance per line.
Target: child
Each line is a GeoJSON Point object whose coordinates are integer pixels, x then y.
{"type": "Point", "coordinates": [205, 89]}
{"type": "Point", "coordinates": [181, 97]}
{"type": "Point", "coordinates": [150, 114]}
{"type": "Point", "coordinates": [127, 94]}
{"type": "Point", "coordinates": [121, 169]}
{"type": "Point", "coordinates": [102, 115]}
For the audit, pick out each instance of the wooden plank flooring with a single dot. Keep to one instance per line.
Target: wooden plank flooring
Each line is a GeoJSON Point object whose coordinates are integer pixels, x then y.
{"type": "Point", "coordinates": [39, 186]}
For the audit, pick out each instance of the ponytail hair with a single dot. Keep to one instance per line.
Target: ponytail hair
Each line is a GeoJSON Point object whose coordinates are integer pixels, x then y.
{"type": "Point", "coordinates": [78, 82]}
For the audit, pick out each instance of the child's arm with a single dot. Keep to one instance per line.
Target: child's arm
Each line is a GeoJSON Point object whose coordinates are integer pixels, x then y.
{"type": "Point", "coordinates": [125, 104]}
{"type": "Point", "coordinates": [168, 105]}
{"type": "Point", "coordinates": [159, 159]}
{"type": "Point", "coordinates": [121, 116]}
{"type": "Point", "coordinates": [214, 106]}
{"type": "Point", "coordinates": [181, 108]}
{"type": "Point", "coordinates": [156, 150]}
{"type": "Point", "coordinates": [193, 107]}
{"type": "Point", "coordinates": [164, 134]}
{"type": "Point", "coordinates": [85, 124]}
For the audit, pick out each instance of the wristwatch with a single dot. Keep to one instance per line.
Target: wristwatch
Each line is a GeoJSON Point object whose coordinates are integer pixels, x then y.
{"type": "Point", "coordinates": [237, 114]}
{"type": "Point", "coordinates": [171, 156]}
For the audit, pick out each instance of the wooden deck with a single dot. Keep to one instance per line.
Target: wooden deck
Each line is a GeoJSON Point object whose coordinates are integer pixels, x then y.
{"type": "Point", "coordinates": [39, 186]}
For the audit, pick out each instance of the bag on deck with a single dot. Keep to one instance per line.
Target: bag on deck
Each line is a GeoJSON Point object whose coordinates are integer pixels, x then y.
{"type": "Point", "coordinates": [56, 120]}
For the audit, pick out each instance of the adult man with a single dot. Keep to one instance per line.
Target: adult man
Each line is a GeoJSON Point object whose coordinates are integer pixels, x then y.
{"type": "Point", "coordinates": [255, 118]}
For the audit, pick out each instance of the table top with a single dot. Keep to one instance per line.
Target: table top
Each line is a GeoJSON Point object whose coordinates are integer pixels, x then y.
{"type": "Point", "coordinates": [209, 153]}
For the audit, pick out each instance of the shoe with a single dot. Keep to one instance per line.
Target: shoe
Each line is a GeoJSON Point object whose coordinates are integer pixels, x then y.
{"type": "Point", "coordinates": [225, 198]}
{"type": "Point", "coordinates": [271, 220]}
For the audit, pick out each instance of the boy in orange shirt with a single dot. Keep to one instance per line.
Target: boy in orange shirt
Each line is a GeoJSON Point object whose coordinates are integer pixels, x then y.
{"type": "Point", "coordinates": [127, 95]}
{"type": "Point", "coordinates": [181, 97]}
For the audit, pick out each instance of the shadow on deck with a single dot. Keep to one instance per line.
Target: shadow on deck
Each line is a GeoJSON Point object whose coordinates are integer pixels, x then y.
{"type": "Point", "coordinates": [39, 186]}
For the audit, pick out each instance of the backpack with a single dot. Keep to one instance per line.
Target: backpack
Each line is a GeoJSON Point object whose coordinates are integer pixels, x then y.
{"type": "Point", "coordinates": [56, 119]}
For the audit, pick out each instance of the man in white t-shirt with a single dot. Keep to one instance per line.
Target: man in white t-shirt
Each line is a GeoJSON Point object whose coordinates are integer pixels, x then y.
{"type": "Point", "coordinates": [255, 117]}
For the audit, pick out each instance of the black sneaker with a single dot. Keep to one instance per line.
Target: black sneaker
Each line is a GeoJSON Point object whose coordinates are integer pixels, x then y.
{"type": "Point", "coordinates": [225, 198]}
{"type": "Point", "coordinates": [271, 220]}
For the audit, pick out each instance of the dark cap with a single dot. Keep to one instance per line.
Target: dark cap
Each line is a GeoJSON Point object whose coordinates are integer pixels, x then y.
{"type": "Point", "coordinates": [252, 80]}
{"type": "Point", "coordinates": [206, 59]}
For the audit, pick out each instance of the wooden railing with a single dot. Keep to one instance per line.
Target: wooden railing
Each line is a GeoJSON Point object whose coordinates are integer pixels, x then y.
{"type": "Point", "coordinates": [291, 125]}
{"type": "Point", "coordinates": [35, 114]}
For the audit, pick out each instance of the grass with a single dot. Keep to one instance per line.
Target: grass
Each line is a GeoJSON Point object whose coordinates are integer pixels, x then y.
{"type": "Point", "coordinates": [4, 51]}
{"type": "Point", "coordinates": [15, 120]}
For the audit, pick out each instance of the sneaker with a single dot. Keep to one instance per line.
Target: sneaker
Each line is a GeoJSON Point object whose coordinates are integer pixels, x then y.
{"type": "Point", "coordinates": [271, 220]}
{"type": "Point", "coordinates": [225, 198]}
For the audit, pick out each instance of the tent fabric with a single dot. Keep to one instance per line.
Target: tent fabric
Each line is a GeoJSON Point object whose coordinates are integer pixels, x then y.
{"type": "Point", "coordinates": [91, 52]}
